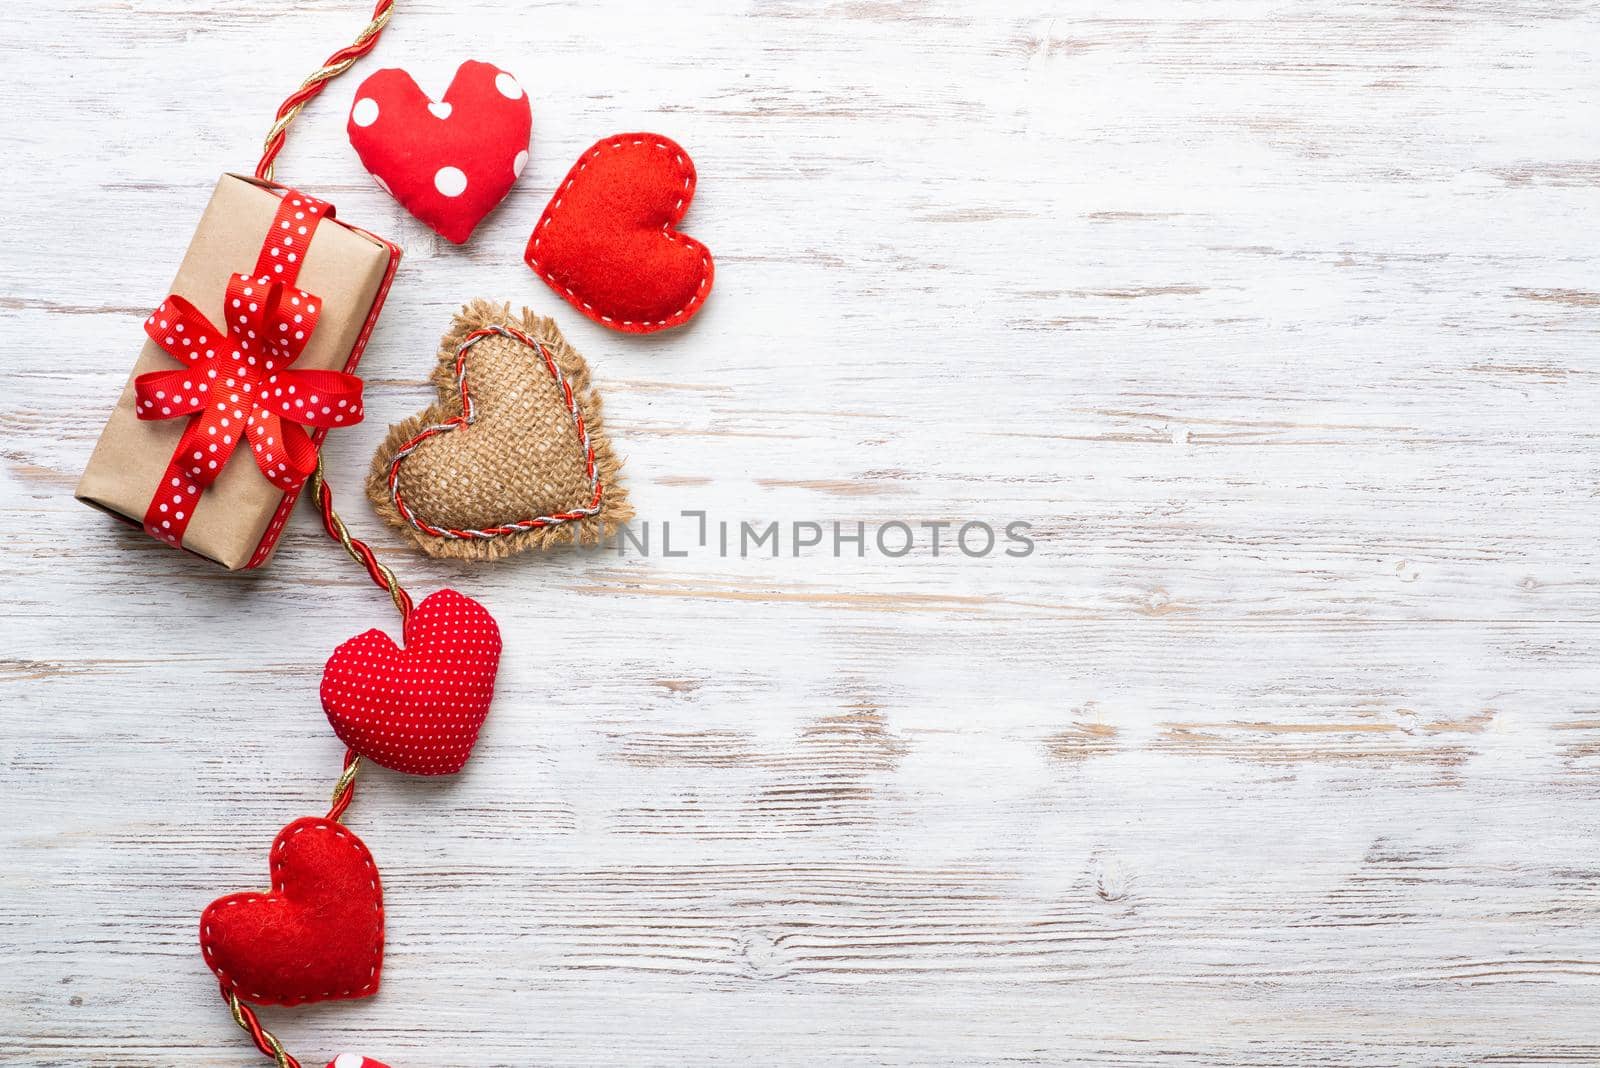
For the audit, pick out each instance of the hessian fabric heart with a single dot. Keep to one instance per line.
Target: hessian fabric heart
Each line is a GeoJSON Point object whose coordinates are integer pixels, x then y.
{"type": "Point", "coordinates": [519, 459]}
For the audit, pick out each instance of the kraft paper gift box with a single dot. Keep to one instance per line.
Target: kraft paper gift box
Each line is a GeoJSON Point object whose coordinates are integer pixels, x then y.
{"type": "Point", "coordinates": [237, 519]}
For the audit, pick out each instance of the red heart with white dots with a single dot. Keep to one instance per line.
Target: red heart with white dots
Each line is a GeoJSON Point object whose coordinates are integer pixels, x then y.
{"type": "Point", "coordinates": [418, 709]}
{"type": "Point", "coordinates": [608, 241]}
{"type": "Point", "coordinates": [354, 1060]}
{"type": "Point", "coordinates": [449, 163]}
{"type": "Point", "coordinates": [317, 935]}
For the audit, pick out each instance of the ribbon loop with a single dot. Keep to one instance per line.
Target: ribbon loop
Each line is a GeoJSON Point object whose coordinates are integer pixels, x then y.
{"type": "Point", "coordinates": [283, 451]}
{"type": "Point", "coordinates": [169, 394]}
{"type": "Point", "coordinates": [179, 328]}
{"type": "Point", "coordinates": [322, 399]}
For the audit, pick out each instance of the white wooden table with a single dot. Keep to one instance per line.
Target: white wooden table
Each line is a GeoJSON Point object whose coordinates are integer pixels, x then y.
{"type": "Point", "coordinates": [1277, 320]}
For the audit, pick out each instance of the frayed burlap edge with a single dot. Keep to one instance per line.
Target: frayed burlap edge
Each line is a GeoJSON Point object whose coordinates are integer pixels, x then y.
{"type": "Point", "coordinates": [615, 510]}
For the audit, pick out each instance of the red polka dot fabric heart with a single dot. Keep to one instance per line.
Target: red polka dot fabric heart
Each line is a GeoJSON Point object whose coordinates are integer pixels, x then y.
{"type": "Point", "coordinates": [354, 1060]}
{"type": "Point", "coordinates": [606, 241]}
{"type": "Point", "coordinates": [448, 163]}
{"type": "Point", "coordinates": [317, 936]}
{"type": "Point", "coordinates": [417, 710]}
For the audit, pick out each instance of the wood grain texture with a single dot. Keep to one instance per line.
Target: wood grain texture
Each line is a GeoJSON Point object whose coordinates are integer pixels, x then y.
{"type": "Point", "coordinates": [1277, 320]}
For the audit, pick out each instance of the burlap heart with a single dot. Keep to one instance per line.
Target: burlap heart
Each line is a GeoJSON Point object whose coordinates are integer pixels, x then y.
{"type": "Point", "coordinates": [508, 469]}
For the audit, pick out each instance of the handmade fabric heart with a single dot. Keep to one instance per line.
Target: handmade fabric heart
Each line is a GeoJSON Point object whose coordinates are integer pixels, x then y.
{"type": "Point", "coordinates": [606, 241]}
{"type": "Point", "coordinates": [519, 460]}
{"type": "Point", "coordinates": [354, 1060]}
{"type": "Point", "coordinates": [448, 163]}
{"type": "Point", "coordinates": [317, 936]}
{"type": "Point", "coordinates": [419, 709]}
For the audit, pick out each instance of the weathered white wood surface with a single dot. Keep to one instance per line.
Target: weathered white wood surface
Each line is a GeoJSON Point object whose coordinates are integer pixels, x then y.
{"type": "Point", "coordinates": [1278, 320]}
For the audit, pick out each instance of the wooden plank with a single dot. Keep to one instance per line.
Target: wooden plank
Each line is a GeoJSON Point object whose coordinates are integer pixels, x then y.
{"type": "Point", "coordinates": [1275, 321]}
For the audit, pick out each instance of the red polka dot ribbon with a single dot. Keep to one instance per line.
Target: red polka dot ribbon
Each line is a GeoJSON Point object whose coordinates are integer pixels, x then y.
{"type": "Point", "coordinates": [237, 384]}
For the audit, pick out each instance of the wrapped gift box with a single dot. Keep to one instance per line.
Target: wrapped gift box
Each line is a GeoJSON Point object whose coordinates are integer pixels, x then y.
{"type": "Point", "coordinates": [236, 519]}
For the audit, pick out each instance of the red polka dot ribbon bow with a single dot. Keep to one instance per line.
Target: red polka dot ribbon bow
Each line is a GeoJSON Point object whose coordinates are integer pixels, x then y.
{"type": "Point", "coordinates": [237, 383]}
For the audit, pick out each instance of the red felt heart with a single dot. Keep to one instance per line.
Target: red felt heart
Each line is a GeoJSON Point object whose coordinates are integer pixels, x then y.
{"type": "Point", "coordinates": [354, 1060]}
{"type": "Point", "coordinates": [317, 936]}
{"type": "Point", "coordinates": [606, 241]}
{"type": "Point", "coordinates": [417, 709]}
{"type": "Point", "coordinates": [449, 163]}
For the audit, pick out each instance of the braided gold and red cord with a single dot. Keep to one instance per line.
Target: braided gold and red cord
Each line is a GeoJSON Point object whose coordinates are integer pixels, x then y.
{"type": "Point", "coordinates": [359, 551]}
{"type": "Point", "coordinates": [331, 68]}
{"type": "Point", "coordinates": [334, 66]}
{"type": "Point", "coordinates": [344, 788]}
{"type": "Point", "coordinates": [265, 1041]}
